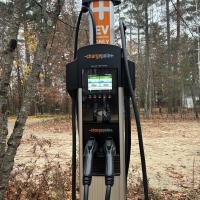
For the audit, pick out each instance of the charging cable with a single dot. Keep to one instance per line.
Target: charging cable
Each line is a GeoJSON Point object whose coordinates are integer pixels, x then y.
{"type": "Point", "coordinates": [110, 151]}
{"type": "Point", "coordinates": [90, 150]}
{"type": "Point", "coordinates": [137, 116]}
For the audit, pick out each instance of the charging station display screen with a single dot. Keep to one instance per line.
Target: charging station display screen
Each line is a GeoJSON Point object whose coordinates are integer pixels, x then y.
{"type": "Point", "coordinates": [100, 82]}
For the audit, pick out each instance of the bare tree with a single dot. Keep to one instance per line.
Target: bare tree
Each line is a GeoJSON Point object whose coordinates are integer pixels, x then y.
{"type": "Point", "coordinates": [7, 56]}
{"type": "Point", "coordinates": [170, 75]}
{"type": "Point", "coordinates": [45, 26]}
{"type": "Point", "coordinates": [148, 71]}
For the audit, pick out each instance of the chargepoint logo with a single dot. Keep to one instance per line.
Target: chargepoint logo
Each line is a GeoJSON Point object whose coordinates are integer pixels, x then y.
{"type": "Point", "coordinates": [99, 56]}
{"type": "Point", "coordinates": [99, 131]}
{"type": "Point", "coordinates": [101, 10]}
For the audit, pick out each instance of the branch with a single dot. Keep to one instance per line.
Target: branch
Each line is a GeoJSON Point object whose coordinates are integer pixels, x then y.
{"type": "Point", "coordinates": [178, 12]}
{"type": "Point", "coordinates": [67, 24]}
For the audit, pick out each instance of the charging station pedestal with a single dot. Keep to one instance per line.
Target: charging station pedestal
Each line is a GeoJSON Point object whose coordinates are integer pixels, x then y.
{"type": "Point", "coordinates": [108, 101]}
{"type": "Point", "coordinates": [98, 77]}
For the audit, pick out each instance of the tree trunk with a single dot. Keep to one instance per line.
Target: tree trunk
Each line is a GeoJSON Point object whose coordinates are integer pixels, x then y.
{"type": "Point", "coordinates": [148, 93]}
{"type": "Point", "coordinates": [178, 27]}
{"type": "Point", "coordinates": [15, 139]}
{"type": "Point", "coordinates": [30, 92]}
{"type": "Point", "coordinates": [175, 62]}
{"type": "Point", "coordinates": [6, 69]}
{"type": "Point", "coordinates": [19, 85]}
{"type": "Point", "coordinates": [170, 92]}
{"type": "Point", "coordinates": [27, 51]}
{"type": "Point", "coordinates": [194, 101]}
{"type": "Point", "coordinates": [138, 46]}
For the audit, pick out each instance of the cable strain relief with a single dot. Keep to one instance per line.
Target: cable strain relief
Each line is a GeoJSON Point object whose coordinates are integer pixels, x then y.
{"type": "Point", "coordinates": [87, 180]}
{"type": "Point", "coordinates": [109, 180]}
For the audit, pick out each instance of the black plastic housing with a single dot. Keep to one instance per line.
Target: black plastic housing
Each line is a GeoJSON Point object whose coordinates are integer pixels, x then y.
{"type": "Point", "coordinates": [102, 60]}
{"type": "Point", "coordinates": [90, 57]}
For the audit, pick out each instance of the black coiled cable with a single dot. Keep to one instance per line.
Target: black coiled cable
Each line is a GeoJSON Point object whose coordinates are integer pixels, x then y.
{"type": "Point", "coordinates": [137, 117]}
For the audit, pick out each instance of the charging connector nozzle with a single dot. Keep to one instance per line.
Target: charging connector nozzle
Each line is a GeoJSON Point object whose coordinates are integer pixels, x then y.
{"type": "Point", "coordinates": [90, 150]}
{"type": "Point", "coordinates": [110, 152]}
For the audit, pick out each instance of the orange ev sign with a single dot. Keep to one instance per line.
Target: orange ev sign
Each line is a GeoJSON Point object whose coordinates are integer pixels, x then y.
{"type": "Point", "coordinates": [101, 10]}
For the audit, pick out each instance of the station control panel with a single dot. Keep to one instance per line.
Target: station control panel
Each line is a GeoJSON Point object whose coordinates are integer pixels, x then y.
{"type": "Point", "coordinates": [100, 113]}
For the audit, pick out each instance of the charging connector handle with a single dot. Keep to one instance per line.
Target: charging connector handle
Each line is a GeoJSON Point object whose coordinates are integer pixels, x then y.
{"type": "Point", "coordinates": [110, 151]}
{"type": "Point", "coordinates": [90, 149]}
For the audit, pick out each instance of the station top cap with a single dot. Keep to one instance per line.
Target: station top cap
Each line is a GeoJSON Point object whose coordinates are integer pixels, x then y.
{"type": "Point", "coordinates": [87, 2]}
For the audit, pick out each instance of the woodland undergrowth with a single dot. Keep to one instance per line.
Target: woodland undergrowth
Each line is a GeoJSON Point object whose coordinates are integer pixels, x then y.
{"type": "Point", "coordinates": [30, 181]}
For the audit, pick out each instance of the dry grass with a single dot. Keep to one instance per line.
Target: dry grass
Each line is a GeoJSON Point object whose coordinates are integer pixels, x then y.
{"type": "Point", "coordinates": [135, 191]}
{"type": "Point", "coordinates": [29, 182]}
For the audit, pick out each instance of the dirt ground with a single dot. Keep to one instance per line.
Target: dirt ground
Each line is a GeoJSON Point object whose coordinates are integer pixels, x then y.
{"type": "Point", "coordinates": [172, 149]}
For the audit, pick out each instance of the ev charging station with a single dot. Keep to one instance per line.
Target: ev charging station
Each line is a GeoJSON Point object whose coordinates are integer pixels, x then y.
{"type": "Point", "coordinates": [101, 82]}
